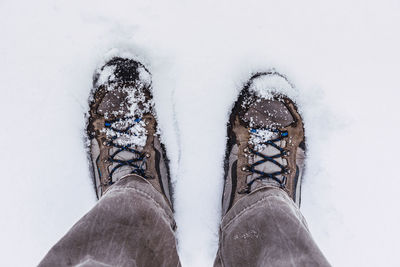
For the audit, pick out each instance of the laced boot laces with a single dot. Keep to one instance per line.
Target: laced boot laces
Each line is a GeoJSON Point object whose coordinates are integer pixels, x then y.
{"type": "Point", "coordinates": [125, 137]}
{"type": "Point", "coordinates": [261, 142]}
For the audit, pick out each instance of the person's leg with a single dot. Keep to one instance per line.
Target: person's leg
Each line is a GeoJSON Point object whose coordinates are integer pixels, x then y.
{"type": "Point", "coordinates": [262, 224]}
{"type": "Point", "coordinates": [131, 225]}
{"type": "Point", "coordinates": [266, 228]}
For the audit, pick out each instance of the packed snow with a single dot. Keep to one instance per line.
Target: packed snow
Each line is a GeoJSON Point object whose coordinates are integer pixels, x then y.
{"type": "Point", "coordinates": [341, 56]}
{"type": "Point", "coordinates": [266, 86]}
{"type": "Point", "coordinates": [134, 132]}
{"type": "Point", "coordinates": [259, 137]}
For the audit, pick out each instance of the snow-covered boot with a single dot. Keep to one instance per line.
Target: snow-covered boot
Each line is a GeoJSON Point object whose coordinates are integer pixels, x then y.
{"type": "Point", "coordinates": [122, 128]}
{"type": "Point", "coordinates": [266, 144]}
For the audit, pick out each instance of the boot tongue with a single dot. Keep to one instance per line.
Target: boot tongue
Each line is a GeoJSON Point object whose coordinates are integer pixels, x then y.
{"type": "Point", "coordinates": [257, 141]}
{"type": "Point", "coordinates": [127, 134]}
{"type": "Point", "coordinates": [125, 169]}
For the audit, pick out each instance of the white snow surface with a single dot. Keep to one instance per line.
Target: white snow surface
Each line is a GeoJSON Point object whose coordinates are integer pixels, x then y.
{"type": "Point", "coordinates": [106, 75]}
{"type": "Point", "coordinates": [342, 56]}
{"type": "Point", "coordinates": [272, 82]}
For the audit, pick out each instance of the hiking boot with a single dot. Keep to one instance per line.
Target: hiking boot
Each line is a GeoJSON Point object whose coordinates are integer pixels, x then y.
{"type": "Point", "coordinates": [122, 128]}
{"type": "Point", "coordinates": [266, 144]}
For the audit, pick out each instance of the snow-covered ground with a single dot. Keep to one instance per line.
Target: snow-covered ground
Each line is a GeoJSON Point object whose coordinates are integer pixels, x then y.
{"type": "Point", "coordinates": [343, 56]}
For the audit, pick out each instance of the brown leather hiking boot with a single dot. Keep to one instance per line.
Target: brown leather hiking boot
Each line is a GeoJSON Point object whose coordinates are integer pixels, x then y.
{"type": "Point", "coordinates": [122, 128]}
{"type": "Point", "coordinates": [266, 144]}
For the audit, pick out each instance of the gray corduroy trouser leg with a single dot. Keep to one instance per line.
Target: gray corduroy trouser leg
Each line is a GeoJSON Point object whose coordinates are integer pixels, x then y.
{"type": "Point", "coordinates": [266, 228]}
{"type": "Point", "coordinates": [132, 225]}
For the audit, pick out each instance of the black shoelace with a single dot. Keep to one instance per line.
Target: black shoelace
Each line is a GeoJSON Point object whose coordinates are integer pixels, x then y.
{"type": "Point", "coordinates": [136, 162]}
{"type": "Point", "coordinates": [264, 175]}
